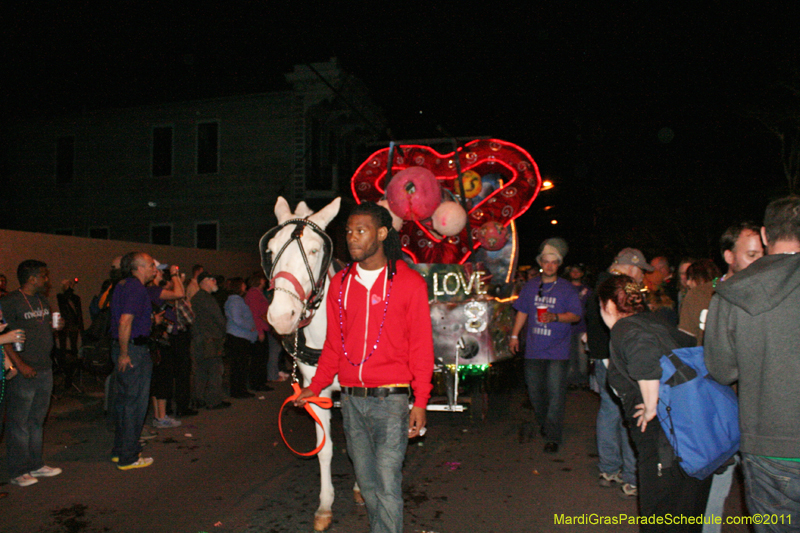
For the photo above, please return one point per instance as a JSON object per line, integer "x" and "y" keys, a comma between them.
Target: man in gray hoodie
{"x": 751, "y": 337}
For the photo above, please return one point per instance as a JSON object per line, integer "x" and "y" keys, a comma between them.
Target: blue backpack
{"x": 700, "y": 417}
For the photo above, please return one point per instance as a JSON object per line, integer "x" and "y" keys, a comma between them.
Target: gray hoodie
{"x": 752, "y": 337}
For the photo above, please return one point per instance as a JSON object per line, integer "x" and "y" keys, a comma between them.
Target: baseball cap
{"x": 633, "y": 257}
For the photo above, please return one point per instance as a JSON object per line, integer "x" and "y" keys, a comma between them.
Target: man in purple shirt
{"x": 549, "y": 305}
{"x": 131, "y": 311}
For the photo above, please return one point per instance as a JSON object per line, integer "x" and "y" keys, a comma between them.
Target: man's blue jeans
{"x": 131, "y": 402}
{"x": 27, "y": 404}
{"x": 377, "y": 437}
{"x": 613, "y": 442}
{"x": 772, "y": 487}
{"x": 547, "y": 389}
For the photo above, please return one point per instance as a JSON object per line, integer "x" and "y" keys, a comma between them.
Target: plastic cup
{"x": 56, "y": 317}
{"x": 540, "y": 311}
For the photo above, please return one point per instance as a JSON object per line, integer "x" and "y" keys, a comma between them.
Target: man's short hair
{"x": 731, "y": 235}
{"x": 29, "y": 268}
{"x": 130, "y": 262}
{"x": 782, "y": 219}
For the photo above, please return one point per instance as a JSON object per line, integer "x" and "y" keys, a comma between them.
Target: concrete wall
{"x": 90, "y": 260}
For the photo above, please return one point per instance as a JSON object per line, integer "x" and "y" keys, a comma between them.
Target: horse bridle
{"x": 312, "y": 301}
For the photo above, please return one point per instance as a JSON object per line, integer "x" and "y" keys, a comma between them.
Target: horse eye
{"x": 314, "y": 251}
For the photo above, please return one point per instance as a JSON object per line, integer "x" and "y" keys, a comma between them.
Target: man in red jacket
{"x": 380, "y": 343}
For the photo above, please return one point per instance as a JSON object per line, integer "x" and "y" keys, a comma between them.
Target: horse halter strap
{"x": 311, "y": 301}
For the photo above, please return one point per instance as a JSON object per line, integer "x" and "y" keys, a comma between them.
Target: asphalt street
{"x": 228, "y": 471}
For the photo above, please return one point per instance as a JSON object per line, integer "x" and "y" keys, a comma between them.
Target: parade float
{"x": 455, "y": 214}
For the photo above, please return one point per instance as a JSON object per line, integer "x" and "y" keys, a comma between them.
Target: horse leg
{"x": 324, "y": 516}
{"x": 357, "y": 497}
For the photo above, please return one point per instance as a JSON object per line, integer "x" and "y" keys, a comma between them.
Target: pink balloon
{"x": 414, "y": 193}
{"x": 397, "y": 222}
{"x": 449, "y": 219}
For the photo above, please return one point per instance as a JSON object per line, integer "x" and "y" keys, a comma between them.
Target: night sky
{"x": 639, "y": 111}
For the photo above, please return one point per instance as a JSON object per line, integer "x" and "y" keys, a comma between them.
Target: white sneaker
{"x": 24, "y": 480}
{"x": 46, "y": 471}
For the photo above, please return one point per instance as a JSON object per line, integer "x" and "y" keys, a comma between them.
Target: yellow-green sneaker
{"x": 140, "y": 463}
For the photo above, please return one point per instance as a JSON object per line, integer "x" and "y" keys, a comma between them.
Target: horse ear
{"x": 326, "y": 214}
{"x": 303, "y": 210}
{"x": 282, "y": 210}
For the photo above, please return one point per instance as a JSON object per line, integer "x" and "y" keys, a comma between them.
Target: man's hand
{"x": 60, "y": 323}
{"x": 513, "y": 344}
{"x": 300, "y": 401}
{"x": 643, "y": 416}
{"x": 416, "y": 421}
{"x": 124, "y": 363}
{"x": 26, "y": 370}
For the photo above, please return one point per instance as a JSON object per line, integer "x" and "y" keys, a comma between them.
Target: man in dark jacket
{"x": 208, "y": 337}
{"x": 751, "y": 338}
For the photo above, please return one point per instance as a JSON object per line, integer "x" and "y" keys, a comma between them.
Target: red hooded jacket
{"x": 405, "y": 345}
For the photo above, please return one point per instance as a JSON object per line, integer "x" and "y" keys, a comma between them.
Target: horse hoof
{"x": 358, "y": 498}
{"x": 322, "y": 521}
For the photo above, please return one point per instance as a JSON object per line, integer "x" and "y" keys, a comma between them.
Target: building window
{"x": 207, "y": 235}
{"x": 100, "y": 233}
{"x": 162, "y": 151}
{"x": 65, "y": 159}
{"x": 207, "y": 148}
{"x": 161, "y": 234}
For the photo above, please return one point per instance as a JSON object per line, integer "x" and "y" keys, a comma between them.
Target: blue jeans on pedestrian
{"x": 772, "y": 487}
{"x": 377, "y": 437}
{"x": 614, "y": 449}
{"x": 547, "y": 389}
{"x": 26, "y": 409}
{"x": 131, "y": 402}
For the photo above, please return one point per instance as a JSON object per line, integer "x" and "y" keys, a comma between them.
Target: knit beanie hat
{"x": 555, "y": 247}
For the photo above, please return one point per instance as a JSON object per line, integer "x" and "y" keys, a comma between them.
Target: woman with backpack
{"x": 638, "y": 340}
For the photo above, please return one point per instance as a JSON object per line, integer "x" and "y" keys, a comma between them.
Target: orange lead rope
{"x": 325, "y": 403}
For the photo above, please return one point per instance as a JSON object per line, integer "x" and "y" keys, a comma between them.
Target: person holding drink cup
{"x": 28, "y": 395}
{"x": 549, "y": 305}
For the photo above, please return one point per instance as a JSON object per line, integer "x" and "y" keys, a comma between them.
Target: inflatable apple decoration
{"x": 492, "y": 235}
{"x": 414, "y": 193}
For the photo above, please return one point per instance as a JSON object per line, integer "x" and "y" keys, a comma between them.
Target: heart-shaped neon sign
{"x": 520, "y": 179}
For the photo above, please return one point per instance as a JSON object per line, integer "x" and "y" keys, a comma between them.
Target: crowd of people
{"x": 744, "y": 318}
{"x": 168, "y": 339}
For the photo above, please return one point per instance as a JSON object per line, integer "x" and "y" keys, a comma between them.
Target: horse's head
{"x": 295, "y": 259}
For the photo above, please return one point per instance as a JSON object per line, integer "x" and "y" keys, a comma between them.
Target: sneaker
{"x": 606, "y": 480}
{"x": 140, "y": 463}
{"x": 165, "y": 423}
{"x": 24, "y": 480}
{"x": 148, "y": 434}
{"x": 46, "y": 471}
{"x": 629, "y": 491}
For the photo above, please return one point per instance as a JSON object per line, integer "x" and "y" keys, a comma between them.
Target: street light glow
{"x": 547, "y": 185}
{"x": 554, "y": 222}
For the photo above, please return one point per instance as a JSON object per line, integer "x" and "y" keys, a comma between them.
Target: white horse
{"x": 296, "y": 253}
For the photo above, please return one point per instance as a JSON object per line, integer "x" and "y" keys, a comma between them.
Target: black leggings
{"x": 665, "y": 491}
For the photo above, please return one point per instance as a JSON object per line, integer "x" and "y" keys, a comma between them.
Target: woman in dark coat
{"x": 638, "y": 340}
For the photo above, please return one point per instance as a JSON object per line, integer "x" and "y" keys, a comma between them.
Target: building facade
{"x": 201, "y": 174}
